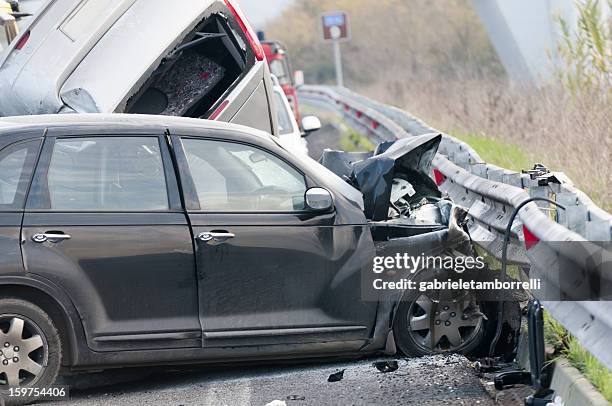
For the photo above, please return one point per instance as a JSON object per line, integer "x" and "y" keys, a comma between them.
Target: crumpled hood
{"x": 409, "y": 158}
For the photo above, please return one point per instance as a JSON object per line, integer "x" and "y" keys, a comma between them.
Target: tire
{"x": 40, "y": 366}
{"x": 413, "y": 342}
{"x": 478, "y": 314}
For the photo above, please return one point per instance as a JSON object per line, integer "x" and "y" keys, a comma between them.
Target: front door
{"x": 270, "y": 271}
{"x": 104, "y": 222}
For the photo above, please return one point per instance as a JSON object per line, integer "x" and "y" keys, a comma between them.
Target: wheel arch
{"x": 56, "y": 304}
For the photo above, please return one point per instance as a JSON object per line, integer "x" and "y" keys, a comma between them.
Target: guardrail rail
{"x": 565, "y": 247}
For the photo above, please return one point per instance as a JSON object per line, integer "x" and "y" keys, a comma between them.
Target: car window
{"x": 236, "y": 177}
{"x": 107, "y": 174}
{"x": 16, "y": 165}
{"x": 284, "y": 119}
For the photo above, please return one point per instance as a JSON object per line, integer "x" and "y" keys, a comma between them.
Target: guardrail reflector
{"x": 530, "y": 239}
{"x": 438, "y": 177}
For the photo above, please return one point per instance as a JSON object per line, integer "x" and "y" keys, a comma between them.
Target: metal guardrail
{"x": 491, "y": 194}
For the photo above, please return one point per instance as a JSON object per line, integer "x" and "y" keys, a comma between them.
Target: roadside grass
{"x": 353, "y": 141}
{"x": 497, "y": 151}
{"x": 567, "y": 346}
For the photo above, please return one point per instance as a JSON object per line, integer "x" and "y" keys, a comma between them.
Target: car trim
{"x": 183, "y": 335}
{"x": 281, "y": 332}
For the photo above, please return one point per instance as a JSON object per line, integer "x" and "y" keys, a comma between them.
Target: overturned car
{"x": 133, "y": 240}
{"x": 197, "y": 59}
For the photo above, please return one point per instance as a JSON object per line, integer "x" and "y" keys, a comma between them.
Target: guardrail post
{"x": 574, "y": 216}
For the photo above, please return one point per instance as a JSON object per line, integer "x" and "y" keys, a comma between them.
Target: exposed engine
{"x": 394, "y": 180}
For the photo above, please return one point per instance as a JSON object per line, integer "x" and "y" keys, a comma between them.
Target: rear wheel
{"x": 30, "y": 348}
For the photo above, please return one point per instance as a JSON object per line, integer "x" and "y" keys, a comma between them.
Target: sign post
{"x": 335, "y": 29}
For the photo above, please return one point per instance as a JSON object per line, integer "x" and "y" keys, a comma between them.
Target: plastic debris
{"x": 386, "y": 366}
{"x": 296, "y": 397}
{"x": 336, "y": 377}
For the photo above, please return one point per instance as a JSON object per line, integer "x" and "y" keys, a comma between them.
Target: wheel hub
{"x": 8, "y": 352}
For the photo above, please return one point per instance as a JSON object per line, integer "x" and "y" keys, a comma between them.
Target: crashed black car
{"x": 129, "y": 240}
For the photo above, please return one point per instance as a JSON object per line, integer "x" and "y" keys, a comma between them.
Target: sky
{"x": 258, "y": 11}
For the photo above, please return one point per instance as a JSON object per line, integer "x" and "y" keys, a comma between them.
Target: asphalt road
{"x": 436, "y": 380}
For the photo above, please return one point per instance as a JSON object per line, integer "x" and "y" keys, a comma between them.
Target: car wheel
{"x": 30, "y": 348}
{"x": 427, "y": 324}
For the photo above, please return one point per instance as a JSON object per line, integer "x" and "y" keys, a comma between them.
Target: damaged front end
{"x": 411, "y": 220}
{"x": 400, "y": 198}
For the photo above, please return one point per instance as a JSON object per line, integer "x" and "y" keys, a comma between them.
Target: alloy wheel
{"x": 23, "y": 351}
{"x": 444, "y": 325}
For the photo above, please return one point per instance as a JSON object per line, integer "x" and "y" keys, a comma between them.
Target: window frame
{"x": 24, "y": 184}
{"x": 39, "y": 199}
{"x": 192, "y": 203}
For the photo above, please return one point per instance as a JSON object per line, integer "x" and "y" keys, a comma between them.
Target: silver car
{"x": 291, "y": 134}
{"x": 196, "y": 59}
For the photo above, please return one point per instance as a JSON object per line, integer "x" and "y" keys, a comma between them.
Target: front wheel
{"x": 30, "y": 348}
{"x": 429, "y": 325}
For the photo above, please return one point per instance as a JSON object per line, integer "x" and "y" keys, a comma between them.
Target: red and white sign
{"x": 335, "y": 26}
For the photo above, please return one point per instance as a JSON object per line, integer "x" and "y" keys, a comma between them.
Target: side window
{"x": 107, "y": 174}
{"x": 241, "y": 178}
{"x": 16, "y": 166}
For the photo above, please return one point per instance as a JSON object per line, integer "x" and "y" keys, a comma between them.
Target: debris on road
{"x": 438, "y": 380}
{"x": 277, "y": 403}
{"x": 386, "y": 366}
{"x": 296, "y": 397}
{"x": 336, "y": 377}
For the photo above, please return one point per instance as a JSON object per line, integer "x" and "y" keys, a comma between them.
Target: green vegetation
{"x": 353, "y": 141}
{"x": 498, "y": 152}
{"x": 587, "y": 51}
{"x": 565, "y": 345}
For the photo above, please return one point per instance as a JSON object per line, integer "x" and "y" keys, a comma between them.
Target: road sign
{"x": 335, "y": 26}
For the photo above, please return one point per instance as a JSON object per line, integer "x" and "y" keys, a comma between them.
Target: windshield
{"x": 285, "y": 126}
{"x": 279, "y": 68}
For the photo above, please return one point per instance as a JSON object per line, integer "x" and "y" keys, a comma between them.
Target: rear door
{"x": 104, "y": 221}
{"x": 270, "y": 271}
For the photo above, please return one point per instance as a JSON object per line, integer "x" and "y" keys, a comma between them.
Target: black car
{"x": 131, "y": 240}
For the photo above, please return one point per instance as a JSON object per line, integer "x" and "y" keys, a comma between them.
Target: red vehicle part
{"x": 280, "y": 66}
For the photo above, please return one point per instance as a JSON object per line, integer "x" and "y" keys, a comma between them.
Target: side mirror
{"x": 318, "y": 199}
{"x": 310, "y": 124}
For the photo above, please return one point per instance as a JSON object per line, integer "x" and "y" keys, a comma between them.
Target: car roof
{"x": 9, "y": 125}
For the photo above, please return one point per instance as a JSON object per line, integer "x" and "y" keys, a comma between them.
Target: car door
{"x": 270, "y": 271}
{"x": 17, "y": 161}
{"x": 104, "y": 221}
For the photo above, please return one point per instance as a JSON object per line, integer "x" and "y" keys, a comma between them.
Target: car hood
{"x": 374, "y": 174}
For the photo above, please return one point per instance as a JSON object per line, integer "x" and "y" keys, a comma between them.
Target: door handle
{"x": 215, "y": 237}
{"x": 51, "y": 237}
